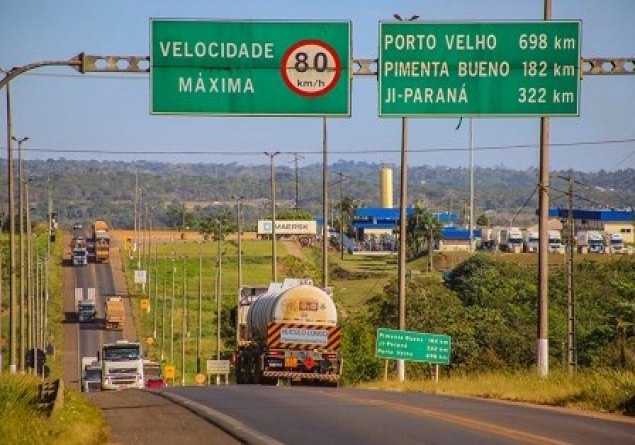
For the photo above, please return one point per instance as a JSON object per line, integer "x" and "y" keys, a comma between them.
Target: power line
{"x": 602, "y": 143}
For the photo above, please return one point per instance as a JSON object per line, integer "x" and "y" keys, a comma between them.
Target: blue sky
{"x": 100, "y": 116}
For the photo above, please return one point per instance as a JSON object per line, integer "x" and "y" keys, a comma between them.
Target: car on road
{"x": 91, "y": 378}
{"x": 152, "y": 375}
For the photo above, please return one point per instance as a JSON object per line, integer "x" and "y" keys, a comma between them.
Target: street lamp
{"x": 219, "y": 292}
{"x": 239, "y": 200}
{"x": 274, "y": 272}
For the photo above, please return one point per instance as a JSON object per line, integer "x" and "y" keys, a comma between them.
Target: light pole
{"x": 219, "y": 292}
{"x": 12, "y": 312}
{"x": 21, "y": 248}
{"x": 239, "y": 200}
{"x": 184, "y": 321}
{"x": 200, "y": 307}
{"x": 325, "y": 207}
{"x": 172, "y": 310}
{"x": 29, "y": 267}
{"x": 156, "y": 289}
{"x": 274, "y": 265}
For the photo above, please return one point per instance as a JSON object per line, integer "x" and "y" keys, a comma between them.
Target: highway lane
{"x": 344, "y": 416}
{"x": 85, "y": 339}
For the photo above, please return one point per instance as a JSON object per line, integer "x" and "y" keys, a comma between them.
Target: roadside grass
{"x": 77, "y": 423}
{"x": 598, "y": 390}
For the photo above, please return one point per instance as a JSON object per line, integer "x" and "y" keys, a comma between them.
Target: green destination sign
{"x": 250, "y": 68}
{"x": 479, "y": 69}
{"x": 415, "y": 346}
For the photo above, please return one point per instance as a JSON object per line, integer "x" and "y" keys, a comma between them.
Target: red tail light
{"x": 329, "y": 356}
{"x": 276, "y": 353}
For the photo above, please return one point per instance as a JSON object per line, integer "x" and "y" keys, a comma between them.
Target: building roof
{"x": 605, "y": 215}
{"x": 456, "y": 233}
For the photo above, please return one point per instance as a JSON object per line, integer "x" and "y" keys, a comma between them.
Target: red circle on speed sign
{"x": 311, "y": 68}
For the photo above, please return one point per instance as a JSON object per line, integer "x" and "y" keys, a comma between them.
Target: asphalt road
{"x": 345, "y": 416}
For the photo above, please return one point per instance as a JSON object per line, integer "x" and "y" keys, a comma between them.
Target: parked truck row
{"x": 517, "y": 240}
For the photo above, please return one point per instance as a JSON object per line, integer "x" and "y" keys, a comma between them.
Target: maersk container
{"x": 304, "y": 304}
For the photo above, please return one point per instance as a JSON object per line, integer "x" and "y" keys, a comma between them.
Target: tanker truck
{"x": 288, "y": 331}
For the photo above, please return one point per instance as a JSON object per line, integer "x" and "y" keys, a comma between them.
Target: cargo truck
{"x": 532, "y": 240}
{"x": 121, "y": 365}
{"x": 114, "y": 313}
{"x": 86, "y": 305}
{"x": 288, "y": 332}
{"x": 101, "y": 241}
{"x": 615, "y": 243}
{"x": 91, "y": 374}
{"x": 590, "y": 241}
{"x": 511, "y": 240}
{"x": 555, "y": 241}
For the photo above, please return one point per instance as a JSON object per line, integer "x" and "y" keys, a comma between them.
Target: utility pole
{"x": 471, "y": 136}
{"x": 542, "y": 359}
{"x": 29, "y": 266}
{"x": 21, "y": 250}
{"x": 403, "y": 197}
{"x": 274, "y": 259}
{"x": 12, "y": 311}
{"x": 239, "y": 229}
{"x": 219, "y": 293}
{"x": 184, "y": 321}
{"x": 200, "y": 307}
{"x": 156, "y": 289}
{"x": 172, "y": 310}
{"x": 135, "y": 235}
{"x": 162, "y": 323}
{"x": 296, "y": 158}
{"x": 340, "y": 181}
{"x": 325, "y": 207}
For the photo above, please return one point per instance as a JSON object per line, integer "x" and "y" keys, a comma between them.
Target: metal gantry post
{"x": 403, "y": 197}
{"x": 184, "y": 321}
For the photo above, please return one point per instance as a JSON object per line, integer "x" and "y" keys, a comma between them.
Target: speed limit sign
{"x": 311, "y": 68}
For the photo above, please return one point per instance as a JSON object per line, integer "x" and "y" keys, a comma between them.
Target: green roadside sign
{"x": 414, "y": 346}
{"x": 479, "y": 69}
{"x": 250, "y": 68}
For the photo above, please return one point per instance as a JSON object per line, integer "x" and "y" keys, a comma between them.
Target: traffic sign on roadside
{"x": 250, "y": 68}
{"x": 414, "y": 346}
{"x": 479, "y": 69}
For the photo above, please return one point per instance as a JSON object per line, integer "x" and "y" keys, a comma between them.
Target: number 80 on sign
{"x": 311, "y": 68}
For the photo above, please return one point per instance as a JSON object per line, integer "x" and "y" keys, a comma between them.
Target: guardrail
{"x": 51, "y": 396}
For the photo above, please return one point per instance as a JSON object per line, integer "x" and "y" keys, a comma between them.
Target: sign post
{"x": 479, "y": 69}
{"x": 218, "y": 367}
{"x": 250, "y": 68}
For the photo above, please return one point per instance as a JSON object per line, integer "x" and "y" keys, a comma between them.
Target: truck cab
{"x": 80, "y": 256}
{"x": 121, "y": 365}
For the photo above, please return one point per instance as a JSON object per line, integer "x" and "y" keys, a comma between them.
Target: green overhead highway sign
{"x": 479, "y": 69}
{"x": 250, "y": 68}
{"x": 414, "y": 346}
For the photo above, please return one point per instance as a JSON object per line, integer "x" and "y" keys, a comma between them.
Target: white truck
{"x": 121, "y": 365}
{"x": 555, "y": 241}
{"x": 91, "y": 374}
{"x": 511, "y": 240}
{"x": 532, "y": 239}
{"x": 288, "y": 331}
{"x": 86, "y": 305}
{"x": 590, "y": 241}
{"x": 615, "y": 243}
